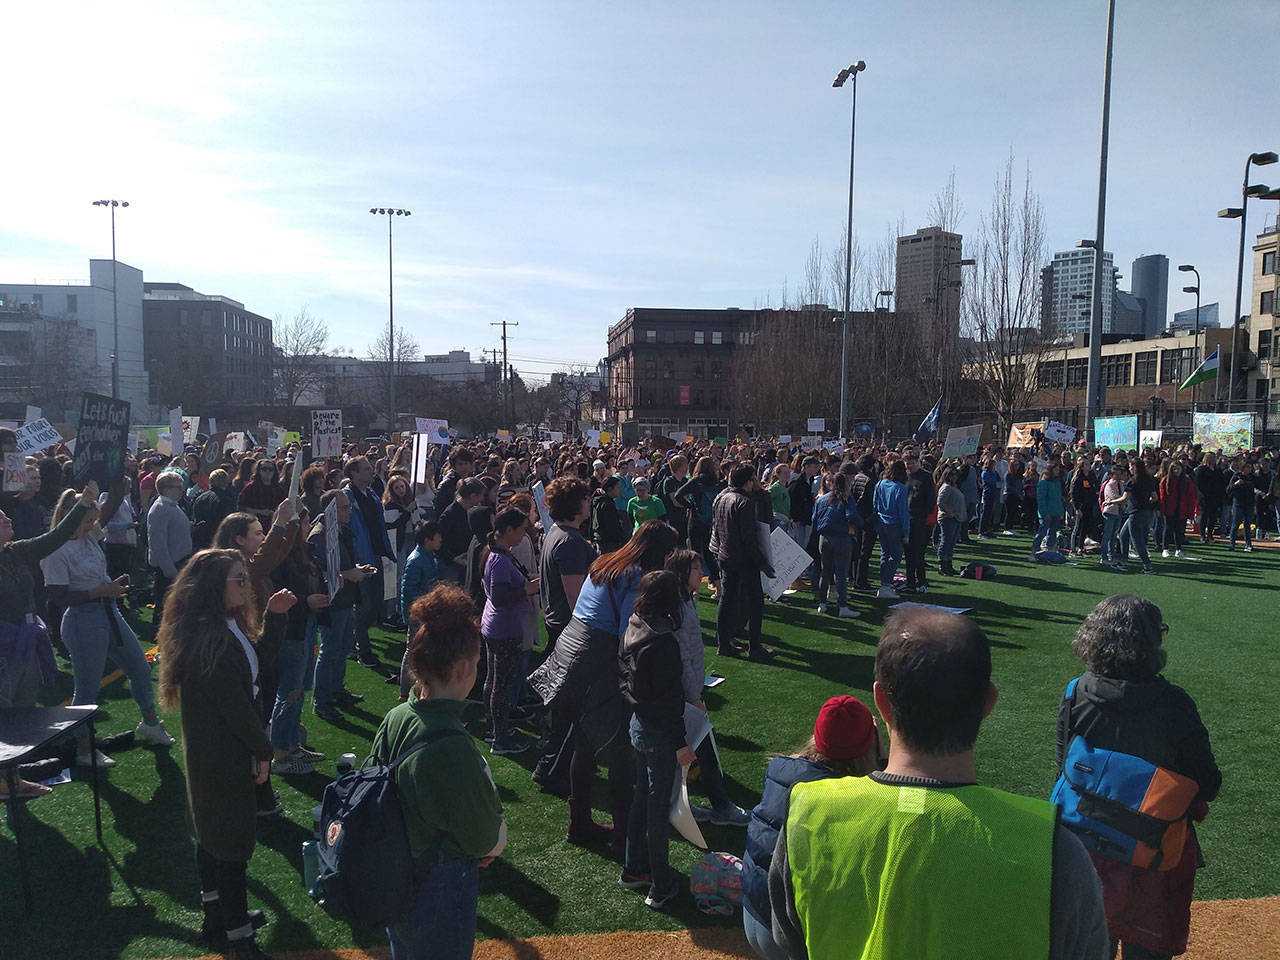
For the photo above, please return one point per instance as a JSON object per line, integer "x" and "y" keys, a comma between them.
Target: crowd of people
{"x": 606, "y": 552}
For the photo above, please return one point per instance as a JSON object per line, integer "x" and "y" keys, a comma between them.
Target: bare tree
{"x": 300, "y": 342}
{"x": 946, "y": 210}
{"x": 1003, "y": 310}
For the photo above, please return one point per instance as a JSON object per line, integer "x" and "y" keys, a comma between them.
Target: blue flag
{"x": 929, "y": 425}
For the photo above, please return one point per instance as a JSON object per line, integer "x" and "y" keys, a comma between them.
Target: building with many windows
{"x": 1188, "y": 319}
{"x": 1149, "y": 279}
{"x": 927, "y": 283}
{"x": 1067, "y": 293}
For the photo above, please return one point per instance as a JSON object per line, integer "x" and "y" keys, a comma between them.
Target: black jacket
{"x": 1155, "y": 720}
{"x": 735, "y": 538}
{"x": 801, "y": 499}
{"x": 863, "y": 493}
{"x": 922, "y": 496}
{"x": 208, "y": 511}
{"x": 606, "y": 525}
{"x": 455, "y": 532}
{"x": 1210, "y": 484}
{"x": 650, "y": 666}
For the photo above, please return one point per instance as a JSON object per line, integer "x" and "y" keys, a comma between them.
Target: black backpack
{"x": 366, "y": 871}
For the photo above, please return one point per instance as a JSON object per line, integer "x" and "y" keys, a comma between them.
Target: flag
{"x": 929, "y": 425}
{"x": 1206, "y": 371}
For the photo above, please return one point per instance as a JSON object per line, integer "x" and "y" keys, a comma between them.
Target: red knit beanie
{"x": 844, "y": 729}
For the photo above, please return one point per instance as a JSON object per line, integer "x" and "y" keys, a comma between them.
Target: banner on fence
{"x": 1227, "y": 433}
{"x": 1116, "y": 432}
{"x": 962, "y": 441}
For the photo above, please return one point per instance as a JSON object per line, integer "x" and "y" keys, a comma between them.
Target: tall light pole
{"x": 115, "y": 309}
{"x": 1195, "y": 388}
{"x": 1234, "y": 213}
{"x": 1093, "y": 383}
{"x": 390, "y": 213}
{"x": 849, "y": 73}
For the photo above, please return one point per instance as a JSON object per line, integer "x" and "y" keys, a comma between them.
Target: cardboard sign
{"x": 556, "y": 436}
{"x": 332, "y": 555}
{"x": 102, "y": 438}
{"x": 817, "y": 425}
{"x": 176, "y": 431}
{"x": 1059, "y": 432}
{"x": 789, "y": 561}
{"x": 1116, "y": 432}
{"x": 213, "y": 425}
{"x": 37, "y": 435}
{"x": 274, "y": 441}
{"x": 593, "y": 438}
{"x": 15, "y": 472}
{"x": 605, "y": 436}
{"x": 1020, "y": 433}
{"x": 1150, "y": 438}
{"x": 326, "y": 433}
{"x": 962, "y": 441}
{"x": 237, "y": 441}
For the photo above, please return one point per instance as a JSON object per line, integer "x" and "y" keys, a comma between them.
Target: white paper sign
{"x": 15, "y": 472}
{"x": 539, "y": 491}
{"x": 907, "y": 605}
{"x": 37, "y": 435}
{"x": 785, "y": 440}
{"x": 1150, "y": 438}
{"x": 697, "y": 726}
{"x": 33, "y": 413}
{"x": 175, "y": 431}
{"x": 237, "y": 441}
{"x": 213, "y": 426}
{"x": 421, "y": 447}
{"x": 1056, "y": 432}
{"x": 593, "y": 438}
{"x": 326, "y": 433}
{"x": 437, "y": 431}
{"x": 789, "y": 561}
{"x": 962, "y": 441}
{"x": 274, "y": 441}
{"x": 333, "y": 556}
{"x": 556, "y": 436}
{"x": 817, "y": 425}
{"x": 190, "y": 429}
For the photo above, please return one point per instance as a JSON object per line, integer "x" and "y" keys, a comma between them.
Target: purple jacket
{"x": 505, "y": 602}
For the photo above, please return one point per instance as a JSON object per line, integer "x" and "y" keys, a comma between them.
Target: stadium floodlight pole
{"x": 1232, "y": 213}
{"x": 849, "y": 73}
{"x": 1093, "y": 383}
{"x": 115, "y": 308}
{"x": 1195, "y": 388}
{"x": 390, "y": 213}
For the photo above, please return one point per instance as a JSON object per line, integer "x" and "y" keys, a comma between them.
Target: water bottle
{"x": 310, "y": 866}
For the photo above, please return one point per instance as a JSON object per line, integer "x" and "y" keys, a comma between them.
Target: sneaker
{"x": 847, "y": 614}
{"x": 345, "y": 698}
{"x": 509, "y": 746}
{"x": 886, "y": 593}
{"x": 700, "y": 814}
{"x": 634, "y": 881}
{"x": 153, "y": 733}
{"x": 274, "y": 808}
{"x": 368, "y": 660}
{"x": 1248, "y": 549}
{"x": 730, "y": 816}
{"x": 327, "y": 711}
{"x": 824, "y": 608}
{"x": 85, "y": 759}
{"x": 1180, "y": 555}
{"x": 1147, "y": 570}
{"x": 292, "y": 765}
{"x": 657, "y": 899}
{"x": 761, "y": 655}
{"x": 1165, "y": 554}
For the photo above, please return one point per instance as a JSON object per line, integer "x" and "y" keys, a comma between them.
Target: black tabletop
{"x": 26, "y": 731}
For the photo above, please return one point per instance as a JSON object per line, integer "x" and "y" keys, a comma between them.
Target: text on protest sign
{"x": 102, "y": 437}
{"x": 36, "y": 436}
{"x": 326, "y": 433}
{"x": 437, "y": 431}
{"x": 15, "y": 472}
{"x": 962, "y": 441}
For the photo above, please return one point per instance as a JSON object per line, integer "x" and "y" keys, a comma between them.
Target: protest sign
{"x": 962, "y": 441}
{"x": 817, "y": 425}
{"x": 556, "y": 436}
{"x": 37, "y": 435}
{"x": 1116, "y": 432}
{"x": 539, "y": 491}
{"x": 237, "y": 441}
{"x": 190, "y": 429}
{"x": 436, "y": 430}
{"x": 605, "y": 436}
{"x": 810, "y": 443}
{"x": 274, "y": 441}
{"x": 593, "y": 438}
{"x": 1227, "y": 433}
{"x": 332, "y": 555}
{"x": 176, "y": 432}
{"x": 213, "y": 425}
{"x": 1059, "y": 432}
{"x": 789, "y": 561}
{"x": 15, "y": 472}
{"x": 421, "y": 448}
{"x": 1150, "y": 438}
{"x": 1020, "y": 433}
{"x": 292, "y": 436}
{"x": 326, "y": 433}
{"x": 784, "y": 440}
{"x": 33, "y": 413}
{"x": 101, "y": 439}
{"x": 504, "y": 434}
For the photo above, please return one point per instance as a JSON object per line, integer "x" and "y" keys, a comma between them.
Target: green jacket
{"x": 445, "y": 787}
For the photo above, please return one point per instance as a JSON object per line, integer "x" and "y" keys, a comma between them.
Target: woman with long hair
{"x": 1177, "y": 506}
{"x": 696, "y": 497}
{"x": 212, "y": 640}
{"x": 1140, "y": 498}
{"x": 261, "y": 496}
{"x": 93, "y": 628}
{"x": 578, "y": 682}
{"x": 244, "y": 474}
{"x": 400, "y": 511}
{"x": 893, "y": 523}
{"x": 951, "y": 514}
{"x": 833, "y": 514}
{"x": 1084, "y": 501}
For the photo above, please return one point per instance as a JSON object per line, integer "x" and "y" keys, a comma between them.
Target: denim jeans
{"x": 760, "y": 936}
{"x": 1110, "y": 526}
{"x": 1134, "y": 533}
{"x": 1047, "y": 534}
{"x": 836, "y": 553}
{"x": 987, "y": 511}
{"x": 890, "y": 552}
{"x": 335, "y": 644}
{"x": 367, "y": 611}
{"x": 90, "y": 640}
{"x": 649, "y": 826}
{"x": 441, "y": 924}
{"x": 293, "y": 679}
{"x": 950, "y": 527}
{"x": 1240, "y": 516}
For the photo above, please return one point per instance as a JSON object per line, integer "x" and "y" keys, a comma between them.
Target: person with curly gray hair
{"x": 1122, "y": 703}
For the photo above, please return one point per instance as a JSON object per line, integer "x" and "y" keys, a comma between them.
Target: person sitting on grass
{"x": 845, "y": 743}
{"x": 452, "y": 812}
{"x": 421, "y": 574}
{"x": 651, "y": 686}
{"x": 643, "y": 506}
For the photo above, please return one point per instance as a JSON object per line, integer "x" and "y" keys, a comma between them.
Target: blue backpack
{"x": 365, "y": 870}
{"x": 1123, "y": 807}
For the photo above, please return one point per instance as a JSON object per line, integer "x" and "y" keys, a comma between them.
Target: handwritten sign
{"x": 37, "y": 435}
{"x": 332, "y": 554}
{"x": 1056, "y": 432}
{"x": 962, "y": 441}
{"x": 539, "y": 491}
{"x": 102, "y": 438}
{"x": 15, "y": 472}
{"x": 789, "y": 560}
{"x": 437, "y": 431}
{"x": 326, "y": 433}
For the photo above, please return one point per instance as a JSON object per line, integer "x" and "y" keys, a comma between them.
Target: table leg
{"x": 97, "y": 801}
{"x": 14, "y": 807}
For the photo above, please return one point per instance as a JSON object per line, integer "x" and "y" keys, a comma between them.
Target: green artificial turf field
{"x": 138, "y": 897}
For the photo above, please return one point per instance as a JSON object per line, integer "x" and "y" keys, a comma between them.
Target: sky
{"x": 564, "y": 161}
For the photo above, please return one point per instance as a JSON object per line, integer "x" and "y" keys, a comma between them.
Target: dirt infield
{"x": 1220, "y": 930}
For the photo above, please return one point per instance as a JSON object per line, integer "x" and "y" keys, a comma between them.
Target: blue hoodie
{"x": 830, "y": 520}
{"x": 891, "y": 505}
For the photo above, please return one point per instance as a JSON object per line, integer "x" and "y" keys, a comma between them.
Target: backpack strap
{"x": 425, "y": 742}
{"x": 1071, "y": 689}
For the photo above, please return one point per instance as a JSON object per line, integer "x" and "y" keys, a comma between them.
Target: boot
{"x": 583, "y": 830}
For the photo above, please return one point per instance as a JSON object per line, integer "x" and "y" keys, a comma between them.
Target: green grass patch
{"x": 138, "y": 896}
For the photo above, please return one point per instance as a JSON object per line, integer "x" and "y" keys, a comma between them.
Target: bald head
{"x": 935, "y": 669}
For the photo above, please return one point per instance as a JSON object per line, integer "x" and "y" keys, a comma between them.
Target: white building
{"x": 88, "y": 304}
{"x": 1067, "y": 285}
{"x": 343, "y": 380}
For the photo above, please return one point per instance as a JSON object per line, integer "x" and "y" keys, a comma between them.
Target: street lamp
{"x": 115, "y": 311}
{"x": 1188, "y": 268}
{"x": 849, "y": 73}
{"x": 887, "y": 294}
{"x": 390, "y": 213}
{"x": 1262, "y": 159}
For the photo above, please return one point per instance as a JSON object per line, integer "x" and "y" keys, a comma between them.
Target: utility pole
{"x": 506, "y": 368}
